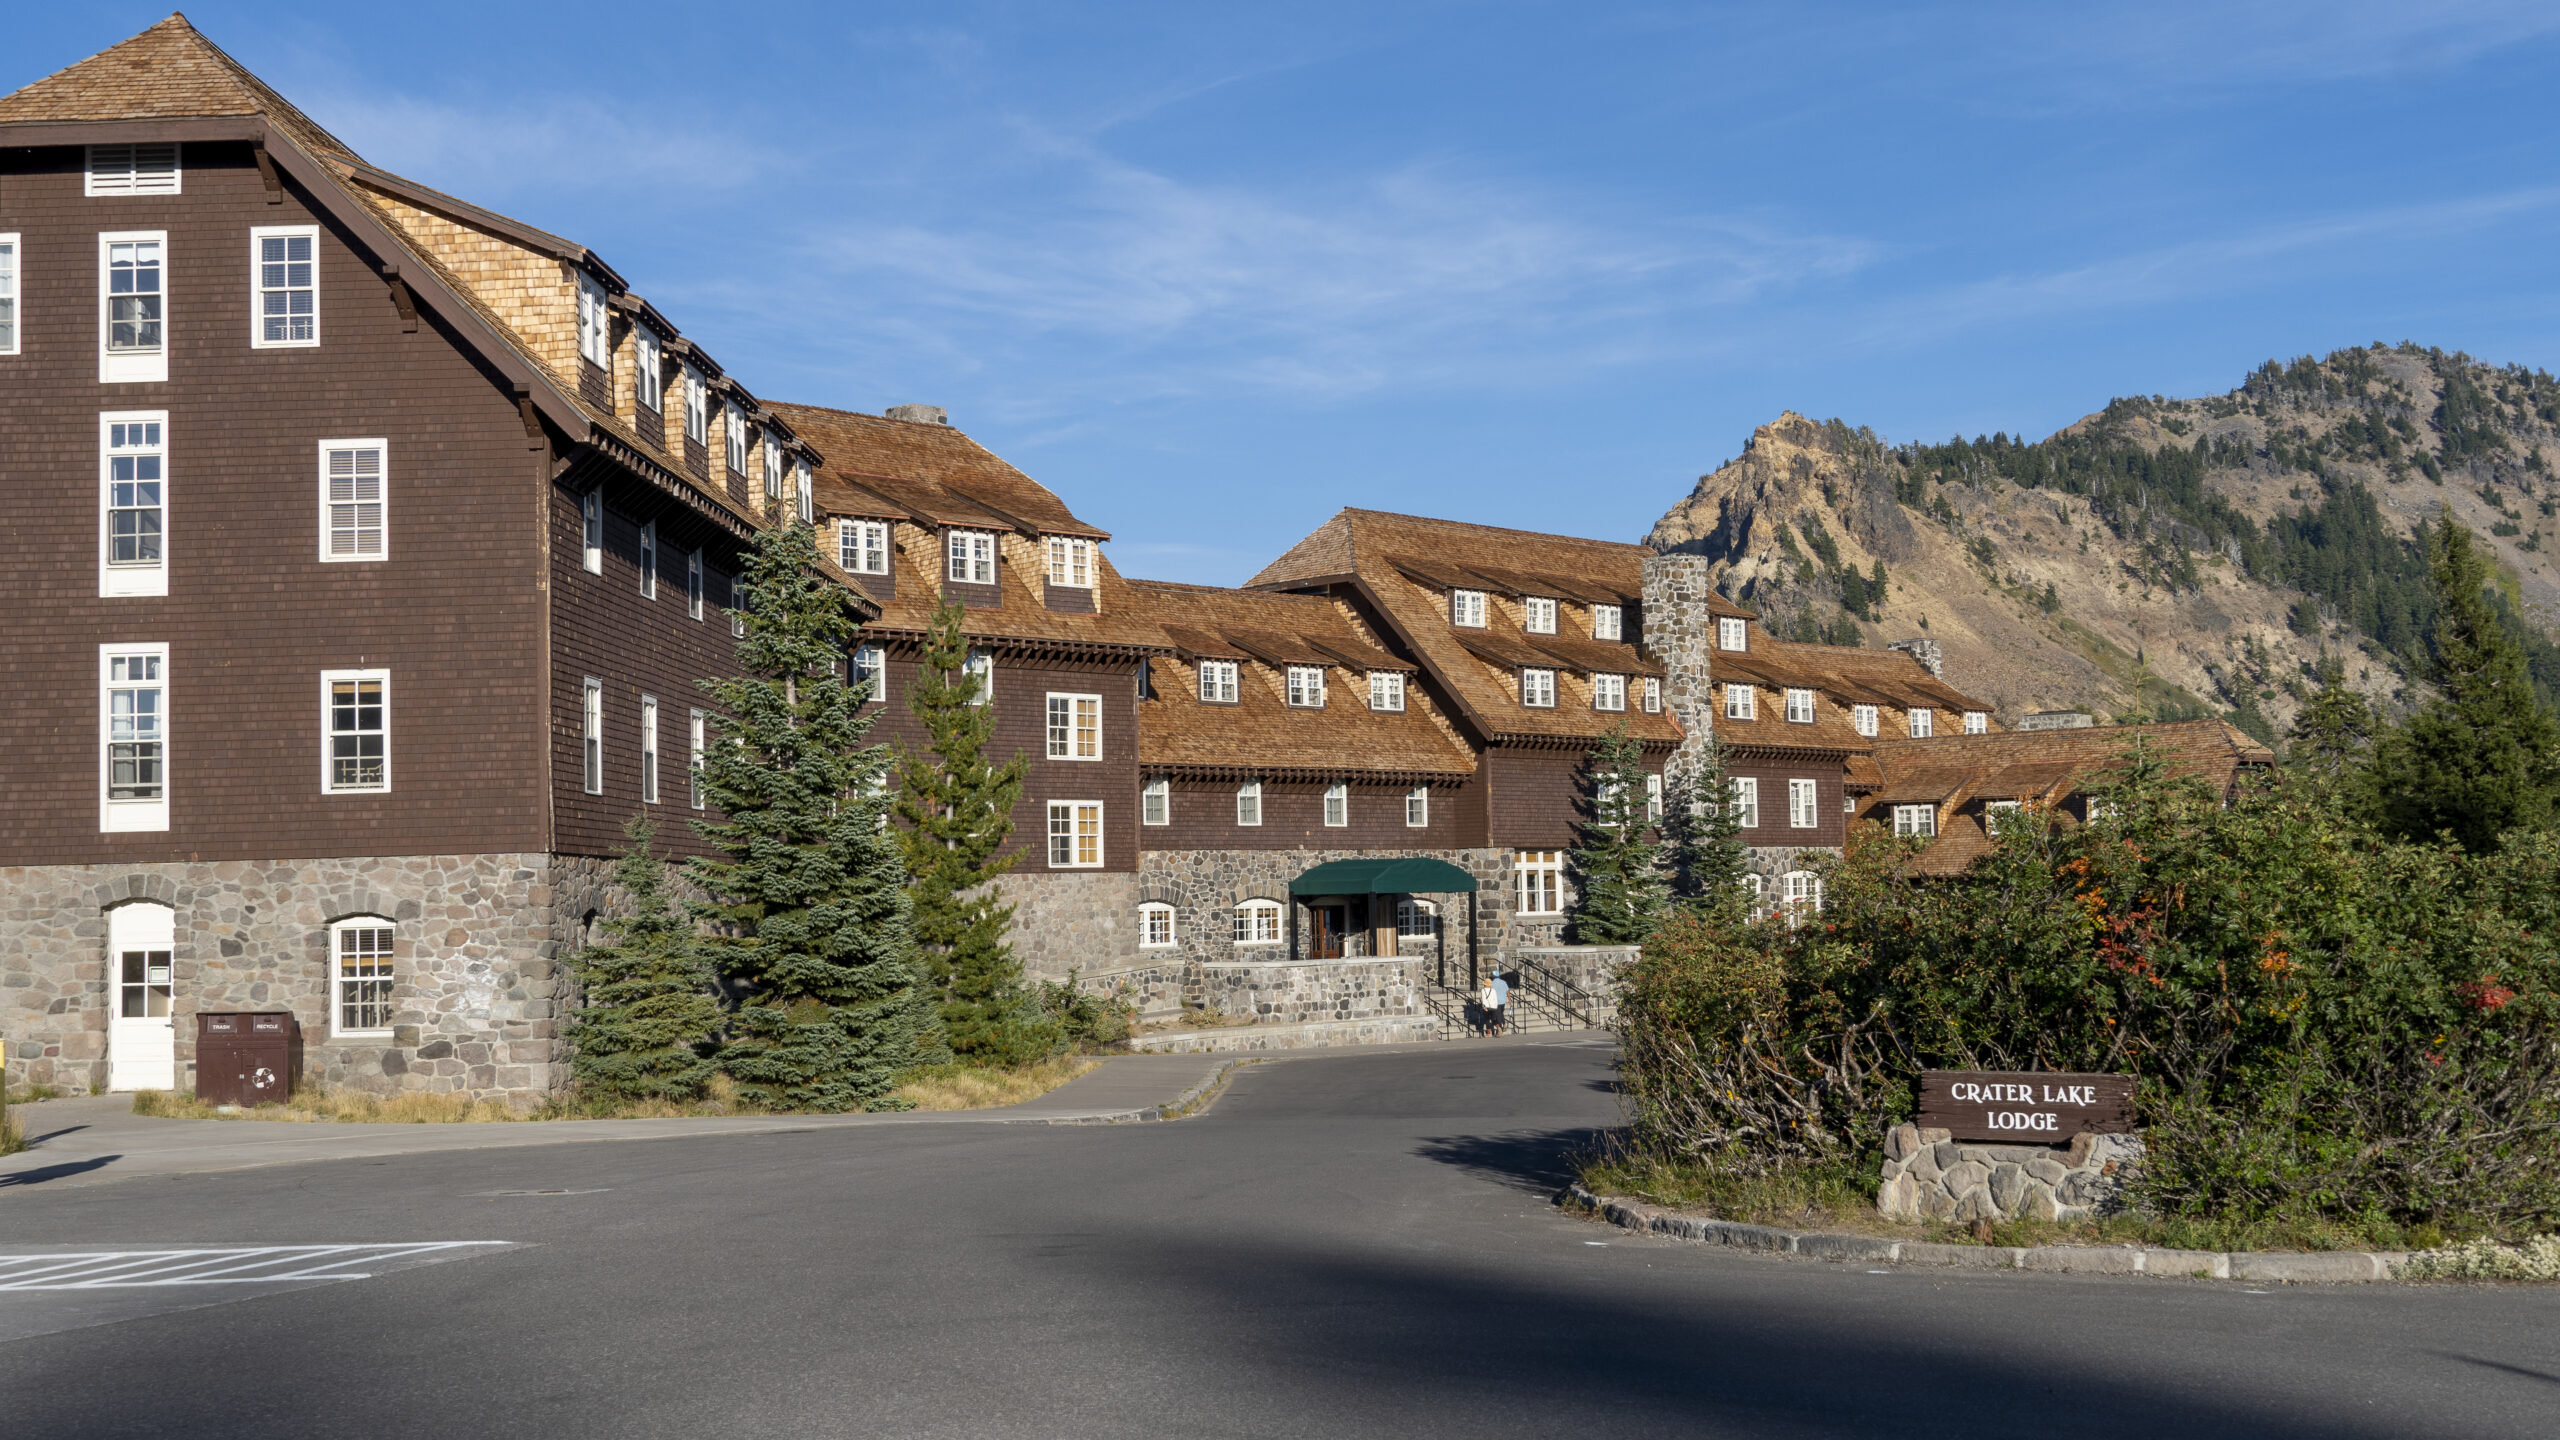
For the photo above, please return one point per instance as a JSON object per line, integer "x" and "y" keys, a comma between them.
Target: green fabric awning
{"x": 1414, "y": 876}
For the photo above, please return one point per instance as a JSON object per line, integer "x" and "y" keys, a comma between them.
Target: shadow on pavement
{"x": 1537, "y": 1162}
{"x": 42, "y": 1173}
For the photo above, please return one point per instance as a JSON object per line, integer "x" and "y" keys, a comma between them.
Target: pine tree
{"x": 958, "y": 810}
{"x": 811, "y": 917}
{"x": 2334, "y": 729}
{"x": 648, "y": 1022}
{"x": 1616, "y": 866}
{"x": 2483, "y": 757}
{"x": 1702, "y": 835}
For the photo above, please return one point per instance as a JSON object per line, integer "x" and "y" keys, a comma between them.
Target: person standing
{"x": 1497, "y": 995}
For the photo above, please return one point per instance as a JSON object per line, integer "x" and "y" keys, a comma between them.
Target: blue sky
{"x": 1213, "y": 272}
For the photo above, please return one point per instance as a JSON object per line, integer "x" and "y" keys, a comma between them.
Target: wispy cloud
{"x": 562, "y": 143}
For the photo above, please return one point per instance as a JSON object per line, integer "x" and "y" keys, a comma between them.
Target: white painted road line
{"x": 232, "y": 1265}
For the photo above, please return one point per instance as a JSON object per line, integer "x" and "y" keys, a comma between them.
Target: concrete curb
{"x": 2335, "y": 1267}
{"x": 1181, "y": 1107}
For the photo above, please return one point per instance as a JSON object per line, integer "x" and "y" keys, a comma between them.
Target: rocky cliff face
{"x": 2162, "y": 558}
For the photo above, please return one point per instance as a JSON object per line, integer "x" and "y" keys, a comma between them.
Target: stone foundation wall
{"x": 1592, "y": 967}
{"x": 1928, "y": 1176}
{"x": 1080, "y": 921}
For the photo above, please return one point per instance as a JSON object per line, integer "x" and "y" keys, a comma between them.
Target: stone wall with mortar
{"x": 1082, "y": 921}
{"x": 1928, "y": 1176}
{"x": 1679, "y": 633}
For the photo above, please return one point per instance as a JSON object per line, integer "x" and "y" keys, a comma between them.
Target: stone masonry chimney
{"x": 920, "y": 414}
{"x": 1931, "y": 658}
{"x": 1679, "y": 632}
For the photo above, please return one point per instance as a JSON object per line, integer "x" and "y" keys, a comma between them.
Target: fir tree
{"x": 649, "y": 1022}
{"x": 2483, "y": 757}
{"x": 1615, "y": 866}
{"x": 1702, "y": 835}
{"x": 2334, "y": 729}
{"x": 811, "y": 917}
{"x": 958, "y": 810}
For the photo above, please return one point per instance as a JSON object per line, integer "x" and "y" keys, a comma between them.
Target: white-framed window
{"x": 284, "y": 281}
{"x": 1608, "y": 622}
{"x": 1924, "y": 723}
{"x": 1996, "y": 813}
{"x": 769, "y": 445}
{"x": 1075, "y": 727}
{"x": 8, "y": 294}
{"x": 742, "y": 597}
{"x": 360, "y": 977}
{"x": 1608, "y": 692}
{"x": 133, "y": 737}
{"x": 648, "y": 370}
{"x": 1155, "y": 925}
{"x": 697, "y": 754}
{"x": 1538, "y": 615}
{"x": 1386, "y": 690}
{"x": 1741, "y": 702}
{"x": 133, "y": 503}
{"x": 1249, "y": 803}
{"x": 355, "y": 726}
{"x": 1218, "y": 681}
{"x": 973, "y": 557}
{"x": 1746, "y": 802}
{"x": 592, "y": 736}
{"x": 1848, "y": 803}
{"x": 649, "y": 561}
{"x": 1799, "y": 706}
{"x": 1155, "y": 802}
{"x": 1756, "y": 887}
{"x": 1915, "y": 819}
{"x": 1864, "y": 718}
{"x": 1653, "y": 798}
{"x": 1075, "y": 834}
{"x": 1802, "y": 797}
{"x": 2093, "y": 809}
{"x": 1652, "y": 695}
{"x": 1337, "y": 805}
{"x": 871, "y": 668}
{"x": 591, "y": 529}
{"x": 1541, "y": 881}
{"x": 1417, "y": 925}
{"x": 1306, "y": 686}
{"x": 862, "y": 547}
{"x": 1070, "y": 562}
{"x": 697, "y": 407}
{"x": 733, "y": 437}
{"x": 595, "y": 324}
{"x": 1466, "y": 607}
{"x": 355, "y": 500}
{"x": 693, "y": 586}
{"x": 803, "y": 486}
{"x": 1417, "y": 807}
{"x": 133, "y": 307}
{"x": 132, "y": 170}
{"x": 1258, "y": 922}
{"x": 1977, "y": 722}
{"x": 1799, "y": 894}
{"x": 1538, "y": 689}
{"x": 982, "y": 664}
{"x": 648, "y": 749}
{"x": 1732, "y": 634}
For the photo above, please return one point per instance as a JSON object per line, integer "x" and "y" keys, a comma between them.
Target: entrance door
{"x": 1333, "y": 924}
{"x": 142, "y": 1039}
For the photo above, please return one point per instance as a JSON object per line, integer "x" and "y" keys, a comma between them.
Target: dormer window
{"x": 1605, "y": 622}
{"x": 803, "y": 487}
{"x": 1977, "y": 722}
{"x": 1538, "y": 689}
{"x": 973, "y": 557}
{"x": 1218, "y": 681}
{"x": 772, "y": 466}
{"x": 1538, "y": 615}
{"x": 648, "y": 370}
{"x": 697, "y": 407}
{"x": 1732, "y": 634}
{"x": 1652, "y": 695}
{"x": 1466, "y": 608}
{"x": 1799, "y": 707}
{"x": 862, "y": 547}
{"x": 1608, "y": 692}
{"x": 1741, "y": 702}
{"x": 1386, "y": 690}
{"x": 1864, "y": 718}
{"x": 733, "y": 427}
{"x": 1919, "y": 820}
{"x": 595, "y": 324}
{"x": 1071, "y": 562}
{"x": 1306, "y": 686}
{"x": 132, "y": 170}
{"x": 1924, "y": 723}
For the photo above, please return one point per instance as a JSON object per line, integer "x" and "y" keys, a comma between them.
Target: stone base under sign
{"x": 1928, "y": 1176}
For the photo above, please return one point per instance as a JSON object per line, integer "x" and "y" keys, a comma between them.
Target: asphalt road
{"x": 1352, "y": 1245}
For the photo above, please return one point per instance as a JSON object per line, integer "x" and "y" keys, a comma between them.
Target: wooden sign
{"x": 2026, "y": 1106}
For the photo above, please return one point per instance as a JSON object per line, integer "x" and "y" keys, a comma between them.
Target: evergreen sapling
{"x": 1616, "y": 865}
{"x": 649, "y": 1021}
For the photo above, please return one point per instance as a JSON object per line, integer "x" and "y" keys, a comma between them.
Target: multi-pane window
{"x": 284, "y": 266}
{"x": 982, "y": 665}
{"x": 697, "y": 755}
{"x": 595, "y": 324}
{"x": 1541, "y": 875}
{"x": 1741, "y": 702}
{"x": 1746, "y": 802}
{"x": 132, "y": 170}
{"x": 649, "y": 561}
{"x": 1258, "y": 922}
{"x": 973, "y": 557}
{"x": 1608, "y": 692}
{"x": 697, "y": 407}
{"x": 1306, "y": 686}
{"x": 1538, "y": 689}
{"x": 742, "y": 598}
{"x": 1652, "y": 695}
{"x": 1538, "y": 615}
{"x": 134, "y": 522}
{"x": 1924, "y": 723}
{"x": 591, "y": 736}
{"x": 803, "y": 489}
{"x": 862, "y": 547}
{"x": 648, "y": 370}
{"x": 693, "y": 584}
{"x": 1075, "y": 834}
{"x": 1249, "y": 803}
{"x": 1337, "y": 805}
{"x": 1731, "y": 634}
{"x": 1417, "y": 807}
{"x": 134, "y": 724}
{"x": 357, "y": 716}
{"x": 8, "y": 294}
{"x": 134, "y": 291}
{"x": 649, "y": 749}
{"x": 1386, "y": 690}
{"x": 871, "y": 670}
{"x": 1976, "y": 722}
{"x": 1996, "y": 813}
{"x": 1071, "y": 562}
{"x": 1653, "y": 799}
{"x": 1606, "y": 622}
{"x": 733, "y": 435}
{"x": 1799, "y": 706}
{"x": 355, "y": 517}
{"x": 591, "y": 529}
{"x": 1218, "y": 681}
{"x": 772, "y": 447}
{"x": 1466, "y": 607}
{"x": 1417, "y": 921}
{"x": 1155, "y": 802}
{"x": 1799, "y": 894}
{"x": 1155, "y": 925}
{"x": 1915, "y": 819}
{"x": 360, "y": 957}
{"x": 1075, "y": 727}
{"x": 1801, "y": 800}
{"x": 1864, "y": 718}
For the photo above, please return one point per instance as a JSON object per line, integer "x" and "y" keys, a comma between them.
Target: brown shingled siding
{"x": 1204, "y": 818}
{"x": 1773, "y": 775}
{"x": 1532, "y": 797}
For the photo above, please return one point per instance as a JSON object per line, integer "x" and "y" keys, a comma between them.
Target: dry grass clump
{"x": 333, "y": 1103}
{"x": 13, "y": 1136}
{"x": 969, "y": 1087}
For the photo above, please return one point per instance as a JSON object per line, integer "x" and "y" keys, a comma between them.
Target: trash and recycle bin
{"x": 246, "y": 1058}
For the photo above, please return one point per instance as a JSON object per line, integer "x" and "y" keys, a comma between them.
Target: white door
{"x": 142, "y": 1039}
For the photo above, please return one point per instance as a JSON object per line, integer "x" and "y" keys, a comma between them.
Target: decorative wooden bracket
{"x": 405, "y": 302}
{"x": 532, "y": 417}
{"x": 267, "y": 172}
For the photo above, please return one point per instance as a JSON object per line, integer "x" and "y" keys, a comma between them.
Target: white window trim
{"x": 89, "y": 171}
{"x": 1920, "y": 820}
{"x": 1465, "y": 603}
{"x": 855, "y": 552}
{"x": 116, "y": 817}
{"x": 1804, "y": 800}
{"x": 871, "y": 669}
{"x": 1065, "y": 557}
{"x": 1538, "y": 615}
{"x": 1417, "y": 808}
{"x": 648, "y": 749}
{"x": 1863, "y": 718}
{"x": 1653, "y": 797}
{"x": 1314, "y": 676}
{"x": 1386, "y": 691}
{"x": 697, "y": 408}
{"x": 695, "y": 586}
{"x": 258, "y": 289}
{"x": 591, "y": 529}
{"x": 1977, "y": 722}
{"x": 1796, "y": 694}
{"x": 1616, "y": 629}
{"x": 1741, "y": 702}
{"x": 1551, "y": 864}
{"x": 1075, "y": 730}
{"x": 133, "y": 367}
{"x": 649, "y": 561}
{"x": 1337, "y": 803}
{"x": 1101, "y": 833}
{"x": 327, "y": 734}
{"x": 1746, "y": 802}
{"x": 1252, "y": 791}
{"x": 961, "y": 556}
{"x": 1279, "y": 930}
{"x": 733, "y": 439}
{"x": 648, "y": 371}
{"x": 595, "y": 324}
{"x": 1230, "y": 692}
{"x": 13, "y": 271}
{"x": 1922, "y": 723}
{"x": 804, "y": 490}
{"x": 591, "y": 736}
{"x": 1537, "y": 689}
{"x": 115, "y": 581}
{"x": 338, "y": 977}
{"x": 697, "y": 755}
{"x": 1155, "y": 802}
{"x": 1799, "y": 891}
{"x": 384, "y": 448}
{"x": 1729, "y": 628}
{"x": 1172, "y": 933}
{"x": 1609, "y": 692}
{"x": 1652, "y": 695}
